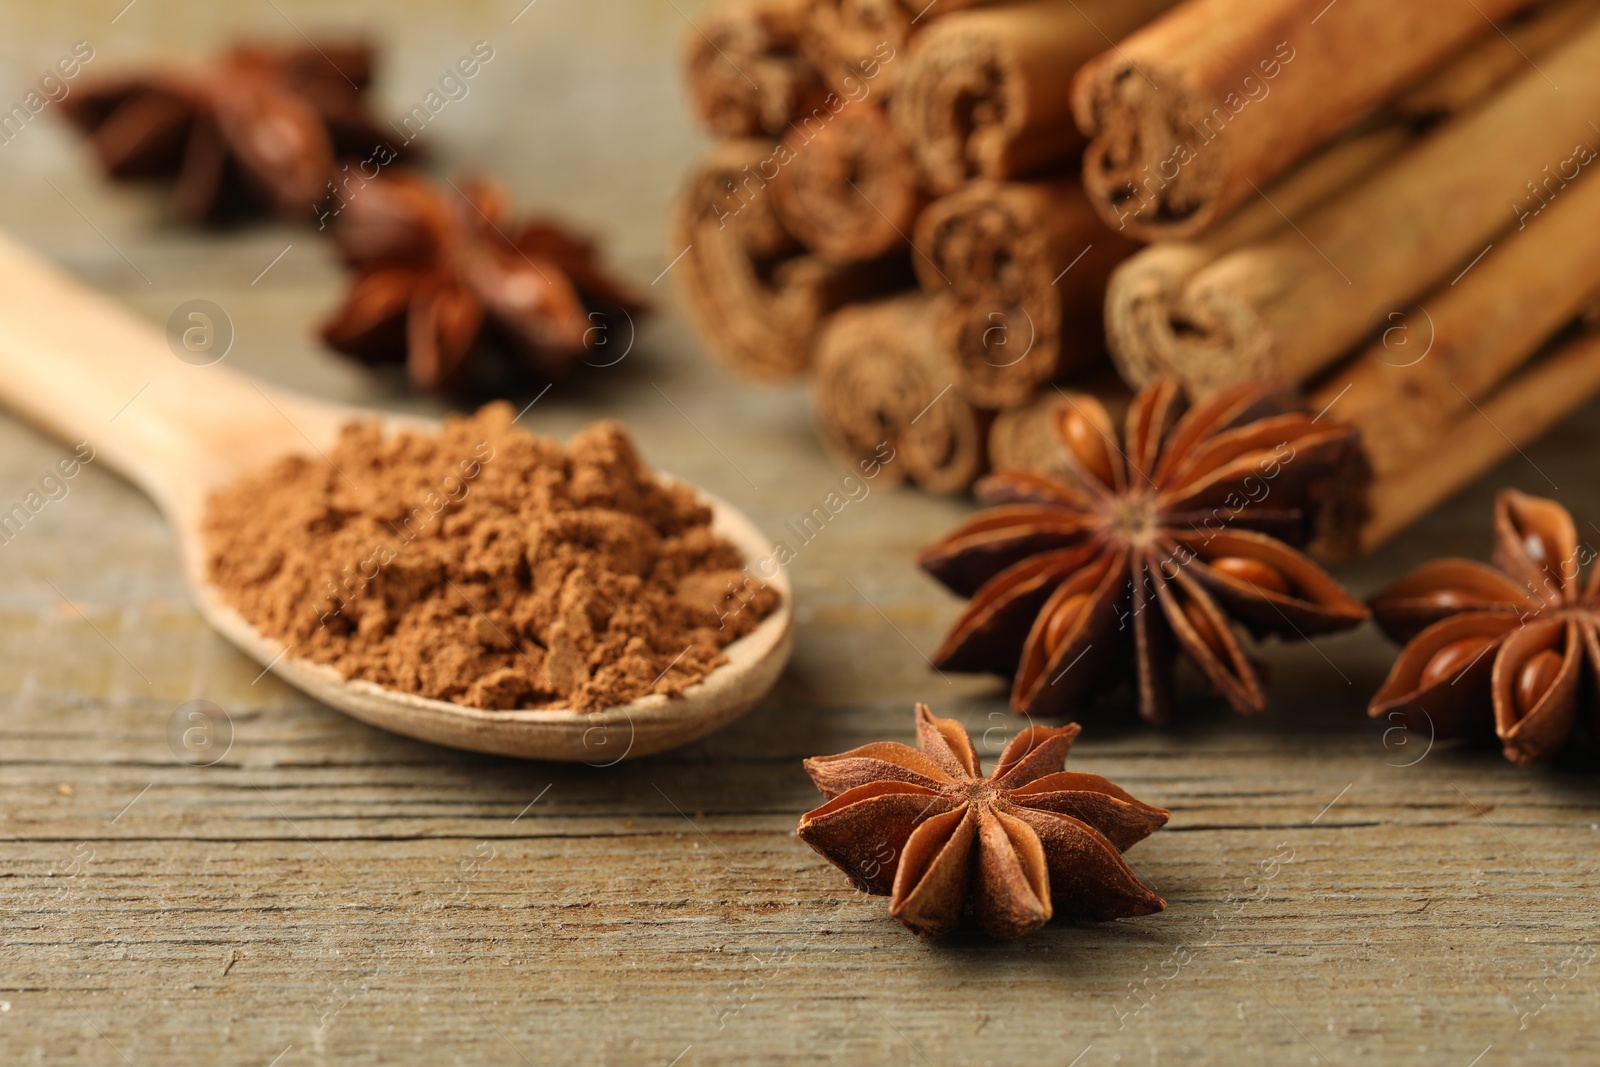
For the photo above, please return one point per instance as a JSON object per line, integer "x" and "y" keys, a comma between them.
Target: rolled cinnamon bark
{"x": 1208, "y": 103}
{"x": 984, "y": 93}
{"x": 753, "y": 295}
{"x": 745, "y": 71}
{"x": 1434, "y": 362}
{"x": 1530, "y": 403}
{"x": 1287, "y": 306}
{"x": 855, "y": 42}
{"x": 1018, "y": 273}
{"x": 1021, "y": 438}
{"x": 884, "y": 396}
{"x": 1495, "y": 58}
{"x": 847, "y": 189}
{"x": 1141, "y": 329}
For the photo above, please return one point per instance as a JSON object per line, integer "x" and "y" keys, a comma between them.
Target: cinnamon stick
{"x": 1287, "y": 306}
{"x": 752, "y": 293}
{"x": 984, "y": 93}
{"x": 1022, "y": 438}
{"x": 883, "y": 395}
{"x": 1143, "y": 331}
{"x": 1434, "y": 362}
{"x": 847, "y": 189}
{"x": 1530, "y": 403}
{"x": 1193, "y": 113}
{"x": 851, "y": 41}
{"x": 744, "y": 68}
{"x": 1018, "y": 273}
{"x": 1495, "y": 58}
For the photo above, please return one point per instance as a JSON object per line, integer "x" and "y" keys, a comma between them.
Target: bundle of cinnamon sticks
{"x": 937, "y": 211}
{"x": 1381, "y": 203}
{"x": 895, "y": 209}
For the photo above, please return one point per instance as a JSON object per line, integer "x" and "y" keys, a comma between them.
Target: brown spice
{"x": 264, "y": 127}
{"x": 485, "y": 566}
{"x": 1513, "y": 646}
{"x": 447, "y": 275}
{"x": 1142, "y": 548}
{"x": 925, "y": 828}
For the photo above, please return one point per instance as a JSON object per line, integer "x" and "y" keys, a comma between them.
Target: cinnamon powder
{"x": 485, "y": 566}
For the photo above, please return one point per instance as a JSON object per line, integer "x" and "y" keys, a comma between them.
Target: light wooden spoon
{"x": 86, "y": 369}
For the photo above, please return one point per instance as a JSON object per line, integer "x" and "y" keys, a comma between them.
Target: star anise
{"x": 1031, "y": 840}
{"x": 1141, "y": 550}
{"x": 260, "y": 130}
{"x": 1507, "y": 646}
{"x": 439, "y": 270}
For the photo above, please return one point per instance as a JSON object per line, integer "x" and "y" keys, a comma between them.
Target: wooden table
{"x": 326, "y": 893}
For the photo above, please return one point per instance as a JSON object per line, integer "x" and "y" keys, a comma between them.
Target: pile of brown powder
{"x": 485, "y": 566}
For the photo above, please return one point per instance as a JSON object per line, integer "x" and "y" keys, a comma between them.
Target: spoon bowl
{"x": 180, "y": 425}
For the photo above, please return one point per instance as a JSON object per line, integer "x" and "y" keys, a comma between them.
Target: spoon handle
{"x": 86, "y": 369}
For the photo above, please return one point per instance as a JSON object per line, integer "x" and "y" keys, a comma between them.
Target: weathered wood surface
{"x": 326, "y": 893}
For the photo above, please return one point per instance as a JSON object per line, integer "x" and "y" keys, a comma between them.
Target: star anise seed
{"x": 439, "y": 269}
{"x": 1515, "y": 646}
{"x": 1146, "y": 548}
{"x": 1029, "y": 841}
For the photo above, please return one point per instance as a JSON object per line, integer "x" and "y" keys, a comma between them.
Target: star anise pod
{"x": 1031, "y": 840}
{"x": 440, "y": 269}
{"x": 260, "y": 130}
{"x": 1147, "y": 548}
{"x": 1517, "y": 647}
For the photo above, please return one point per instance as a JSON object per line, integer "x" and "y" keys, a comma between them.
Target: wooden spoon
{"x": 86, "y": 369}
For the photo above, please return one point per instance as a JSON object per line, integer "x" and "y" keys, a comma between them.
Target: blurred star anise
{"x": 260, "y": 130}
{"x": 1518, "y": 647}
{"x": 1029, "y": 841}
{"x": 1147, "y": 548}
{"x": 440, "y": 270}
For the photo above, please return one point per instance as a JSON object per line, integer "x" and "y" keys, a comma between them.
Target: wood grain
{"x": 330, "y": 894}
